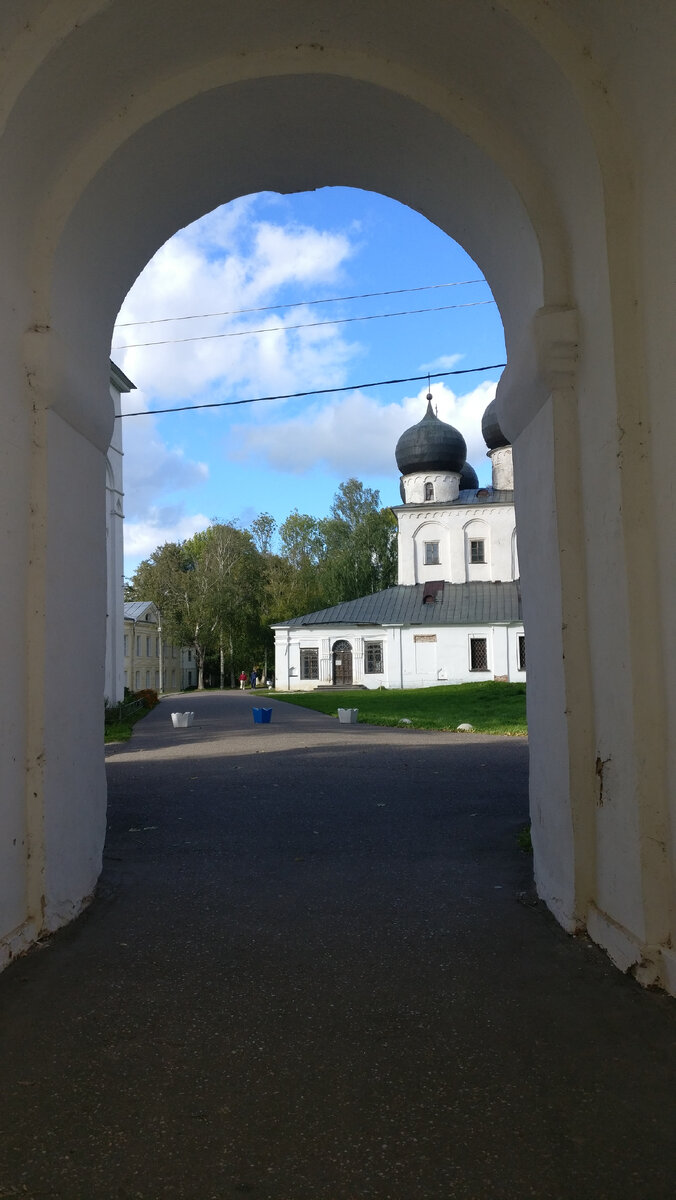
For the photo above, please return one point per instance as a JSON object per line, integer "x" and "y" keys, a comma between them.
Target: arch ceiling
{"x": 146, "y": 130}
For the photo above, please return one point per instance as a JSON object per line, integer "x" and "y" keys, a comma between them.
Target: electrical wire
{"x": 236, "y": 312}
{"x": 353, "y": 387}
{"x": 210, "y": 337}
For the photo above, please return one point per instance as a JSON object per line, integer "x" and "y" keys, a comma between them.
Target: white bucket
{"x": 182, "y": 720}
{"x": 348, "y": 716}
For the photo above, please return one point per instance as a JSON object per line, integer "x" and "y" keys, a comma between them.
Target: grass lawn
{"x": 120, "y": 731}
{"x": 489, "y": 707}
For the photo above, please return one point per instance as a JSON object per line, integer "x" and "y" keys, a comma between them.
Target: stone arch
{"x": 155, "y": 129}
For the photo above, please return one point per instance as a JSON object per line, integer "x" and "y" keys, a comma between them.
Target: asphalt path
{"x": 315, "y": 970}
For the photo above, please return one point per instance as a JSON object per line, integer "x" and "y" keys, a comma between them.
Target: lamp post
{"x": 161, "y": 652}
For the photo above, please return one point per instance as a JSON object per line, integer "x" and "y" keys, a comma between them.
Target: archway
{"x": 100, "y": 176}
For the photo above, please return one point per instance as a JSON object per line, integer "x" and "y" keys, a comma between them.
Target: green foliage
{"x": 361, "y": 544}
{"x": 498, "y": 708}
{"x": 119, "y": 719}
{"x": 263, "y": 530}
{"x": 524, "y": 841}
{"x": 208, "y": 592}
{"x": 221, "y": 590}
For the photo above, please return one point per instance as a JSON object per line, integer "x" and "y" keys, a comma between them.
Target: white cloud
{"x": 445, "y": 362}
{"x": 230, "y": 261}
{"x": 151, "y": 467}
{"x": 356, "y": 434}
{"x": 160, "y": 525}
{"x": 154, "y": 471}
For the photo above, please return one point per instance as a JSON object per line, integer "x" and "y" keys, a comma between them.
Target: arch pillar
{"x": 537, "y": 405}
{"x": 54, "y": 794}
{"x": 597, "y": 827}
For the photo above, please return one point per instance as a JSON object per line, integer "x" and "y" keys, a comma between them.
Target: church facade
{"x": 455, "y": 614}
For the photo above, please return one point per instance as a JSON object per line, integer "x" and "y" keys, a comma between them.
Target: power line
{"x": 210, "y": 337}
{"x": 353, "y": 387}
{"x": 236, "y": 312}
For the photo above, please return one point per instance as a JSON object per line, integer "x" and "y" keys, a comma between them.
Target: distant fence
{"x": 118, "y": 712}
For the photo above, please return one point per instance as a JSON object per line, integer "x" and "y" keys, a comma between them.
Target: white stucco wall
{"x": 113, "y": 688}
{"x": 453, "y": 528}
{"x": 445, "y": 486}
{"x": 413, "y": 656}
{"x": 502, "y": 468}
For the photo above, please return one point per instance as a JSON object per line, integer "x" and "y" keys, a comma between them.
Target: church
{"x": 455, "y": 614}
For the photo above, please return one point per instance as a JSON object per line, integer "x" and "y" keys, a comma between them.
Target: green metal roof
{"x": 460, "y": 604}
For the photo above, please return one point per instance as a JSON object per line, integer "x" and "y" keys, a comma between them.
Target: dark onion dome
{"x": 431, "y": 445}
{"x": 468, "y": 479}
{"x": 490, "y": 428}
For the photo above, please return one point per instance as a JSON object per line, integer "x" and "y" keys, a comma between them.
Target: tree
{"x": 302, "y": 545}
{"x": 353, "y": 503}
{"x": 208, "y": 591}
{"x": 231, "y": 566}
{"x": 361, "y": 544}
{"x": 263, "y": 530}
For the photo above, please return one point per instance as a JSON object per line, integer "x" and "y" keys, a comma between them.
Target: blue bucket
{"x": 262, "y": 716}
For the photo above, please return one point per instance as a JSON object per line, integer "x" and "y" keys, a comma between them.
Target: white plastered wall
{"x": 413, "y": 657}
{"x": 539, "y": 137}
{"x": 113, "y": 688}
{"x": 453, "y": 528}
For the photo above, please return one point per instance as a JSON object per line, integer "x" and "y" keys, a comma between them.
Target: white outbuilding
{"x": 455, "y": 613}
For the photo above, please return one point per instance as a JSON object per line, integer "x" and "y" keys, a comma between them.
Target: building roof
{"x": 431, "y": 445}
{"x": 490, "y": 428}
{"x": 460, "y": 604}
{"x": 135, "y": 609}
{"x": 119, "y": 380}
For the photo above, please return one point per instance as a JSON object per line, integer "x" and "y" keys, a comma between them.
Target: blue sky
{"x": 185, "y": 469}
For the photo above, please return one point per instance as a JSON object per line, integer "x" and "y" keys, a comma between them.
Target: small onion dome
{"x": 490, "y": 428}
{"x": 468, "y": 479}
{"x": 431, "y": 445}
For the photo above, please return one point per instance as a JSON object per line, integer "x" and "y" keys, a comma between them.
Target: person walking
{"x": 242, "y": 681}
{"x": 253, "y": 678}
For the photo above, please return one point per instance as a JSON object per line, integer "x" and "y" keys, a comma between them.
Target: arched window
{"x": 429, "y": 491}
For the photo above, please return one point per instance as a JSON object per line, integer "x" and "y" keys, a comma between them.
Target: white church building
{"x": 455, "y": 614}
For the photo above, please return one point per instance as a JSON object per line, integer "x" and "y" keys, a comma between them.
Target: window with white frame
{"x": 478, "y": 654}
{"x": 138, "y": 646}
{"x": 429, "y": 491}
{"x": 431, "y": 554}
{"x": 149, "y": 642}
{"x": 147, "y": 679}
{"x": 521, "y": 651}
{"x": 309, "y": 662}
{"x": 126, "y": 645}
{"x": 137, "y": 680}
{"x": 477, "y": 550}
{"x": 373, "y": 658}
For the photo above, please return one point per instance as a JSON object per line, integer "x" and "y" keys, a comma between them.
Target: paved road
{"x": 311, "y": 973}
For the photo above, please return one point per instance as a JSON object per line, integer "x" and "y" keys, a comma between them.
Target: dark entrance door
{"x": 342, "y": 663}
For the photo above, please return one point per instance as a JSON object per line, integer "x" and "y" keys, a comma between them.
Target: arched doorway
{"x": 341, "y": 657}
{"x": 154, "y": 132}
